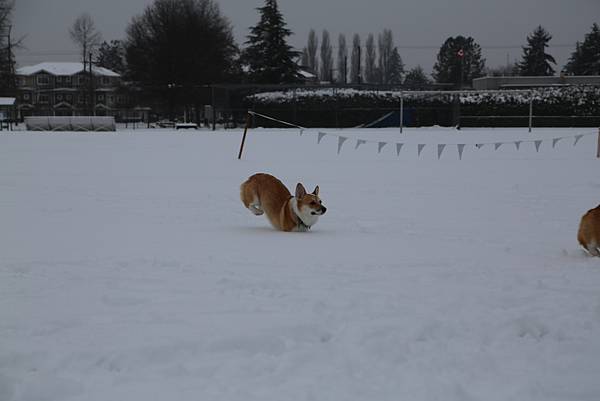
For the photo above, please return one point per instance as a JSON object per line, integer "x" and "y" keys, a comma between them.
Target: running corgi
{"x": 589, "y": 231}
{"x": 263, "y": 193}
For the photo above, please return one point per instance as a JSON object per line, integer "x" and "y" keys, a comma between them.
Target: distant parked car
{"x": 165, "y": 124}
{"x": 186, "y": 126}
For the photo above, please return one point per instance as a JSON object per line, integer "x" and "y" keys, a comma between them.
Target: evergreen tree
{"x": 112, "y": 56}
{"x": 585, "y": 60}
{"x": 342, "y": 59}
{"x": 268, "y": 56}
{"x": 574, "y": 66}
{"x": 326, "y": 58}
{"x": 416, "y": 78}
{"x": 535, "y": 61}
{"x": 395, "y": 69}
{"x": 356, "y": 61}
{"x": 458, "y": 61}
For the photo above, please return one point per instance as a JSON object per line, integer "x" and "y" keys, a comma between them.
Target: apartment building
{"x": 68, "y": 89}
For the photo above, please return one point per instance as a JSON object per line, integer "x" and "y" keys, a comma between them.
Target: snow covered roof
{"x": 7, "y": 101}
{"x": 306, "y": 74}
{"x": 61, "y": 68}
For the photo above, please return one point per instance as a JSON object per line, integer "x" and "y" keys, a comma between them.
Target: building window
{"x": 43, "y": 98}
{"x": 58, "y": 80}
{"x": 120, "y": 99}
{"x": 111, "y": 99}
{"x": 67, "y": 79}
{"x": 26, "y": 96}
{"x": 105, "y": 81}
{"x": 59, "y": 97}
{"x": 100, "y": 98}
{"x": 43, "y": 79}
{"x": 69, "y": 98}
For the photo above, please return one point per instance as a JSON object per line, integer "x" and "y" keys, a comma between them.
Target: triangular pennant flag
{"x": 301, "y": 132}
{"x": 577, "y": 138}
{"x": 321, "y": 135}
{"x": 381, "y": 146}
{"x": 537, "y": 145}
{"x": 420, "y": 148}
{"x": 518, "y": 144}
{"x": 399, "y": 148}
{"x": 479, "y": 145}
{"x": 555, "y": 141}
{"x": 341, "y": 140}
{"x": 497, "y": 145}
{"x": 440, "y": 150}
{"x": 461, "y": 147}
{"x": 359, "y": 142}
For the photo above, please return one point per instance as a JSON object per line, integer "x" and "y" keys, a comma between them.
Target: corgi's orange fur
{"x": 589, "y": 231}
{"x": 263, "y": 193}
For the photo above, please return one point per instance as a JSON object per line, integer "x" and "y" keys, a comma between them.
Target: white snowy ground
{"x": 129, "y": 269}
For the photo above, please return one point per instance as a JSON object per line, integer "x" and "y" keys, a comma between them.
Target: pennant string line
{"x": 382, "y": 144}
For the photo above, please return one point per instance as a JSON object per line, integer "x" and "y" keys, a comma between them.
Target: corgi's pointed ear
{"x": 300, "y": 191}
{"x": 316, "y": 191}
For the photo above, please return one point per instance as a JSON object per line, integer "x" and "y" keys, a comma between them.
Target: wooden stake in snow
{"x": 244, "y": 137}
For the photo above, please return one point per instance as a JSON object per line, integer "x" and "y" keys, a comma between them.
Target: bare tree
{"x": 342, "y": 59}
{"x": 304, "y": 57}
{"x": 356, "y": 61}
{"x": 7, "y": 46}
{"x": 370, "y": 59}
{"x": 386, "y": 47}
{"x": 84, "y": 34}
{"x": 6, "y": 7}
{"x": 326, "y": 58}
{"x": 313, "y": 44}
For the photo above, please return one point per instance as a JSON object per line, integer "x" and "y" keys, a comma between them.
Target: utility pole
{"x": 91, "y": 88}
{"x": 461, "y": 56}
{"x": 11, "y": 69}
{"x": 10, "y": 65}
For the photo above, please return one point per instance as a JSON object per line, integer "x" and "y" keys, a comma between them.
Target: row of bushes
{"x": 350, "y": 107}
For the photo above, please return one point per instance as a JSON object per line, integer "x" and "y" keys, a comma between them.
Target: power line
{"x": 24, "y": 52}
{"x": 47, "y": 53}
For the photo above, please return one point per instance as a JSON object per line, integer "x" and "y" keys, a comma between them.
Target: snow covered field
{"x": 129, "y": 269}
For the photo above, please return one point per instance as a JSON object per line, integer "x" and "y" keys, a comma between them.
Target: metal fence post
{"x": 598, "y": 149}
{"x": 401, "y": 111}
{"x": 530, "y": 111}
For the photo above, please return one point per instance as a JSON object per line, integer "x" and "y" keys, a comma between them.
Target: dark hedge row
{"x": 350, "y": 107}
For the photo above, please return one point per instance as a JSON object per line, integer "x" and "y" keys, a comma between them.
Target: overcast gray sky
{"x": 419, "y": 26}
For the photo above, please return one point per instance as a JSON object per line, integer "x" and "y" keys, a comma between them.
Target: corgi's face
{"x": 309, "y": 204}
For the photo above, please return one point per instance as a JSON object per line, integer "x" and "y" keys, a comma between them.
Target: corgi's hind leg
{"x": 593, "y": 248}
{"x": 255, "y": 208}
{"x": 250, "y": 199}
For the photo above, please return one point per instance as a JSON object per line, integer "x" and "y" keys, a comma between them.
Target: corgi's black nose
{"x": 323, "y": 209}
